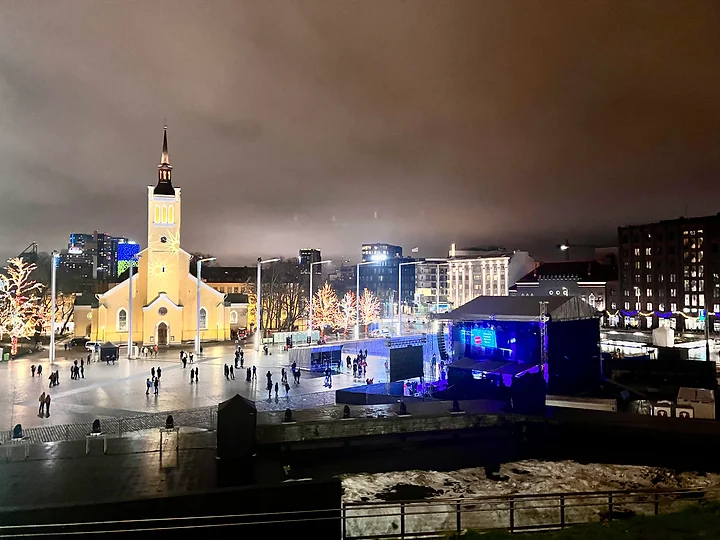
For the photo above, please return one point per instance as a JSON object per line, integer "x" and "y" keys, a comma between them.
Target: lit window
{"x": 637, "y": 251}
{"x": 613, "y": 306}
{"x": 637, "y": 265}
{"x": 627, "y": 305}
{"x": 648, "y": 278}
{"x": 171, "y": 214}
{"x": 673, "y": 307}
{"x": 122, "y": 320}
{"x": 648, "y": 251}
{"x": 673, "y": 292}
{"x": 164, "y": 214}
{"x": 661, "y": 307}
{"x": 672, "y": 278}
{"x": 687, "y": 299}
{"x": 233, "y": 317}
{"x": 203, "y": 319}
{"x": 637, "y": 306}
{"x": 716, "y": 308}
{"x": 649, "y": 306}
{"x": 648, "y": 292}
{"x": 157, "y": 213}
{"x": 648, "y": 264}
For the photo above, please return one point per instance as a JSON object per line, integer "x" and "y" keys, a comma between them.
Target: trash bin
{"x": 6, "y": 356}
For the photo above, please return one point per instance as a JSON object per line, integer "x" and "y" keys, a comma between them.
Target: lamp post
{"x": 199, "y": 281}
{"x": 310, "y": 325}
{"x": 357, "y": 292}
{"x": 53, "y": 292}
{"x": 258, "y": 308}
{"x": 130, "y": 307}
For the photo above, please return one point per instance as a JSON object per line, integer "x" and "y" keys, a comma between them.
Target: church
{"x": 164, "y": 292}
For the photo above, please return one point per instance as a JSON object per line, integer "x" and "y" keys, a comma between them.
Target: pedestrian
{"x": 39, "y": 370}
{"x": 182, "y": 355}
{"x": 227, "y": 372}
{"x": 159, "y": 372}
{"x": 41, "y": 411}
{"x": 269, "y": 386}
{"x": 365, "y": 355}
{"x": 152, "y": 372}
{"x": 47, "y": 406}
{"x": 156, "y": 350}
{"x": 156, "y": 384}
{"x": 82, "y": 370}
{"x": 191, "y": 357}
{"x": 192, "y": 375}
{"x": 248, "y": 375}
{"x": 88, "y": 358}
{"x": 232, "y": 373}
{"x": 32, "y": 369}
{"x": 297, "y": 373}
{"x": 197, "y": 375}
{"x": 242, "y": 360}
{"x": 254, "y": 373}
{"x": 287, "y": 390}
{"x": 276, "y": 390}
{"x": 201, "y": 350}
{"x": 184, "y": 361}
{"x": 354, "y": 370}
{"x": 148, "y": 383}
{"x": 348, "y": 361}
{"x": 242, "y": 355}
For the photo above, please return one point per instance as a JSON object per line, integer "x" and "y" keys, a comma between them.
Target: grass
{"x": 694, "y": 522}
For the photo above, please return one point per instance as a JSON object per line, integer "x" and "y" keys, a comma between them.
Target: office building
{"x": 431, "y": 287}
{"x": 381, "y": 278}
{"x": 670, "y": 273}
{"x": 229, "y": 279}
{"x": 94, "y": 257}
{"x": 484, "y": 271}
{"x": 306, "y": 258}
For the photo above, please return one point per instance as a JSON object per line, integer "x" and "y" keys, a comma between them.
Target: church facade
{"x": 164, "y": 292}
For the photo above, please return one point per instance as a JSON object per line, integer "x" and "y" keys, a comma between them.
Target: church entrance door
{"x": 162, "y": 331}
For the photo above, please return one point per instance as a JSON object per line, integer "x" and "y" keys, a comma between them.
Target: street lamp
{"x": 258, "y": 309}
{"x": 376, "y": 259}
{"x": 310, "y": 326}
{"x": 130, "y": 307}
{"x": 400, "y": 286}
{"x": 199, "y": 281}
{"x": 53, "y": 292}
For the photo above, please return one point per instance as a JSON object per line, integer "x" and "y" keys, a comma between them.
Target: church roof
{"x": 164, "y": 185}
{"x": 236, "y": 298}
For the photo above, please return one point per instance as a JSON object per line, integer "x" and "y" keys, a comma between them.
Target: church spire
{"x": 164, "y": 185}
{"x": 165, "y": 160}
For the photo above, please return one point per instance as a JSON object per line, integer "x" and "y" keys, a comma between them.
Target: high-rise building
{"x": 431, "y": 286}
{"x": 95, "y": 257}
{"x": 484, "y": 271}
{"x": 670, "y": 273}
{"x": 306, "y": 258}
{"x": 381, "y": 278}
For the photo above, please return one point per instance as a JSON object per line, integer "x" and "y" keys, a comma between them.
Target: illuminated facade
{"x": 164, "y": 292}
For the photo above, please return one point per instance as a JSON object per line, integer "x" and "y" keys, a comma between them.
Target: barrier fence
{"x": 431, "y": 518}
{"x": 202, "y": 418}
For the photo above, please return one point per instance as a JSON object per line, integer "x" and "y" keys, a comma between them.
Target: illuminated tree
{"x": 347, "y": 312}
{"x": 325, "y": 308}
{"x": 369, "y": 308}
{"x": 20, "y": 297}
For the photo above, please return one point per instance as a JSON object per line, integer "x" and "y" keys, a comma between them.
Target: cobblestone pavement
{"x": 116, "y": 393}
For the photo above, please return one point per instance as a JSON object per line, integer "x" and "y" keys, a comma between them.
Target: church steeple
{"x": 164, "y": 185}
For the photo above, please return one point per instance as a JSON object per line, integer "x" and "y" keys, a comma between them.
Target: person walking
{"x": 32, "y": 370}
{"x": 287, "y": 389}
{"x": 254, "y": 373}
{"x": 184, "y": 361}
{"x": 47, "y": 406}
{"x": 82, "y": 370}
{"x": 192, "y": 376}
{"x": 248, "y": 375}
{"x": 41, "y": 410}
{"x": 242, "y": 360}
{"x": 232, "y": 373}
{"x": 191, "y": 357}
{"x": 152, "y": 372}
{"x": 197, "y": 375}
{"x": 148, "y": 384}
{"x": 156, "y": 384}
{"x": 39, "y": 370}
{"x": 269, "y": 387}
{"x": 88, "y": 358}
{"x": 276, "y": 390}
{"x": 227, "y": 373}
{"x": 159, "y": 372}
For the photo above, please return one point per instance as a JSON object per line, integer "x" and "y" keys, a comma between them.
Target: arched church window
{"x": 203, "y": 319}
{"x": 157, "y": 213}
{"x": 122, "y": 320}
{"x": 233, "y": 317}
{"x": 171, "y": 214}
{"x": 164, "y": 214}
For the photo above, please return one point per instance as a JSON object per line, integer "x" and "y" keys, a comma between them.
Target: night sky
{"x": 331, "y": 123}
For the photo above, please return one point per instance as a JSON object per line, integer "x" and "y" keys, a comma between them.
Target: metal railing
{"x": 514, "y": 513}
{"x": 412, "y": 519}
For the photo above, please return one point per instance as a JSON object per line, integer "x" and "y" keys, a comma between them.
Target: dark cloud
{"x": 330, "y": 123}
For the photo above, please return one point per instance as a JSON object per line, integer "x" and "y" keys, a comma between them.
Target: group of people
{"x": 77, "y": 372}
{"x": 359, "y": 363}
{"x": 239, "y": 357}
{"x": 149, "y": 351}
{"x": 276, "y": 386}
{"x": 184, "y": 357}
{"x": 295, "y": 373}
{"x": 44, "y": 410}
{"x": 229, "y": 372}
{"x": 154, "y": 381}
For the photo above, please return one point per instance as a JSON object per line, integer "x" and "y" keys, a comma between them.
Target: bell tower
{"x": 162, "y": 262}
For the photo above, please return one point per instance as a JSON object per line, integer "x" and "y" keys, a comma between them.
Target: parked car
{"x": 79, "y": 341}
{"x": 91, "y": 345}
{"x": 381, "y": 332}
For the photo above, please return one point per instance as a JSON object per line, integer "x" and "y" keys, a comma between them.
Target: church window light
{"x": 203, "y": 319}
{"x": 157, "y": 213}
{"x": 233, "y": 317}
{"x": 171, "y": 214}
{"x": 122, "y": 320}
{"x": 164, "y": 214}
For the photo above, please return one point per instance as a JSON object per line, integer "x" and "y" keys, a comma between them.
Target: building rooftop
{"x": 590, "y": 270}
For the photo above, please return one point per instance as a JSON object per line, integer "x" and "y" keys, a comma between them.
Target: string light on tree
{"x": 369, "y": 309}
{"x": 21, "y": 302}
{"x": 325, "y": 308}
